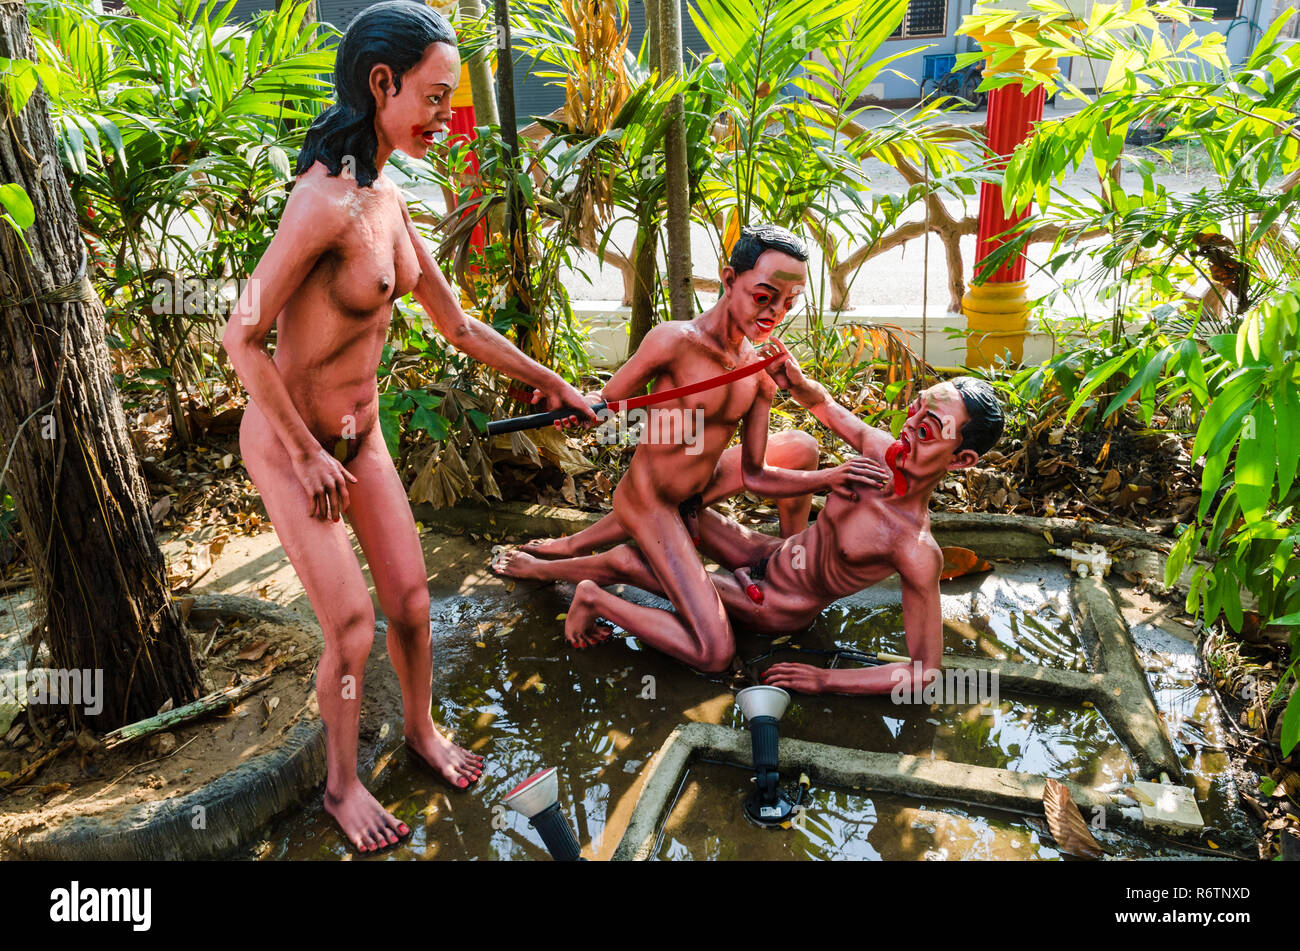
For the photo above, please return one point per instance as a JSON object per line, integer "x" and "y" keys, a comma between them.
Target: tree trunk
{"x": 652, "y": 34}
{"x": 100, "y": 577}
{"x": 516, "y": 220}
{"x": 308, "y": 18}
{"x": 643, "y": 287}
{"x": 675, "y": 171}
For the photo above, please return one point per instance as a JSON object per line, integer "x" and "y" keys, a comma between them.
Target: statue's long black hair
{"x": 395, "y": 33}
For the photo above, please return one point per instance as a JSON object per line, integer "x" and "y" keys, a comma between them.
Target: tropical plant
{"x": 1203, "y": 289}
{"x": 175, "y": 129}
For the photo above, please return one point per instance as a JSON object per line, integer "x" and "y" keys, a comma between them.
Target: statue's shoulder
{"x": 919, "y": 556}
{"x": 321, "y": 198}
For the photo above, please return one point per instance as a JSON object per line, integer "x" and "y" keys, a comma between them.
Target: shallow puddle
{"x": 1192, "y": 718}
{"x": 511, "y": 688}
{"x": 705, "y": 823}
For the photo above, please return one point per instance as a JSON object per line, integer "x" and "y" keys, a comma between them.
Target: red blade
{"x": 677, "y": 392}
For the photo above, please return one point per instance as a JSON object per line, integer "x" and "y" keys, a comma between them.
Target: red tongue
{"x": 895, "y": 456}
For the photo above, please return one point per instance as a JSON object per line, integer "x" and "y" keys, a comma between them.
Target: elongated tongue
{"x": 895, "y": 456}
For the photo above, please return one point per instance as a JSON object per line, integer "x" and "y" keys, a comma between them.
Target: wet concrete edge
{"x": 1022, "y": 534}
{"x": 826, "y": 765}
{"x": 235, "y": 808}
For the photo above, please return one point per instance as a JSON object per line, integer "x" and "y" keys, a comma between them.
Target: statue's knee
{"x": 715, "y": 652}
{"x": 350, "y": 632}
{"x": 714, "y": 661}
{"x": 804, "y": 450}
{"x": 410, "y": 615}
{"x": 624, "y": 559}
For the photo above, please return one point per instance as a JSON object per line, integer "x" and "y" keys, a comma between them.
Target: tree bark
{"x": 676, "y": 172}
{"x": 652, "y": 33}
{"x": 643, "y": 290}
{"x": 100, "y": 577}
{"x": 516, "y": 217}
{"x": 311, "y": 16}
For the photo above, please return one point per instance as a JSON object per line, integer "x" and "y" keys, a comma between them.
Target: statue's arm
{"x": 477, "y": 339}
{"x": 811, "y": 395}
{"x": 307, "y": 230}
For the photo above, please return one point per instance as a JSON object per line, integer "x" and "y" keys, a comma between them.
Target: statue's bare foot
{"x": 457, "y": 766}
{"x": 582, "y": 628}
{"x": 368, "y": 825}
{"x": 517, "y": 563}
{"x": 551, "y": 547}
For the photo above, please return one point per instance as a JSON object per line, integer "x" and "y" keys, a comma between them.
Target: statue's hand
{"x": 856, "y": 476}
{"x": 325, "y": 480}
{"x": 561, "y": 395}
{"x": 786, "y": 373}
{"x": 799, "y": 677}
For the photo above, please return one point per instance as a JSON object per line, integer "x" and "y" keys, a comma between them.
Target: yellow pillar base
{"x": 996, "y": 321}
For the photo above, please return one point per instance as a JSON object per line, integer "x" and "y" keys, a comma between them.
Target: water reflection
{"x": 512, "y": 689}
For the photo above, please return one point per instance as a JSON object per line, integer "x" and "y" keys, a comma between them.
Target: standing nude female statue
{"x": 344, "y": 252}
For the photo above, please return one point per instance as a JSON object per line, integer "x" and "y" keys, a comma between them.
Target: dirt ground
{"x": 89, "y": 780}
{"x": 106, "y": 784}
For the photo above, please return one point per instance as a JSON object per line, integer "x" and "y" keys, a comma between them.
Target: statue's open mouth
{"x": 895, "y": 458}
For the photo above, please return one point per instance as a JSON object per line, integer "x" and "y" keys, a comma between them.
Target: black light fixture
{"x": 537, "y": 799}
{"x": 762, "y": 707}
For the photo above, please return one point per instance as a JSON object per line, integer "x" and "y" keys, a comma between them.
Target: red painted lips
{"x": 895, "y": 458}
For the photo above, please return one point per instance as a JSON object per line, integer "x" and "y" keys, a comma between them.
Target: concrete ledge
{"x": 515, "y": 518}
{"x": 987, "y": 534}
{"x": 1126, "y": 700}
{"x": 826, "y": 765}
{"x": 235, "y": 808}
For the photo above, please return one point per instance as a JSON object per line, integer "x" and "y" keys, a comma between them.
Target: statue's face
{"x": 760, "y": 298}
{"x": 927, "y": 444}
{"x": 409, "y": 119}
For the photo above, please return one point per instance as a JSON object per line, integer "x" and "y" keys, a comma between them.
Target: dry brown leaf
{"x": 161, "y": 508}
{"x": 254, "y": 651}
{"x": 1066, "y": 823}
{"x": 554, "y": 446}
{"x": 216, "y": 545}
{"x": 1288, "y": 784}
{"x": 961, "y": 561}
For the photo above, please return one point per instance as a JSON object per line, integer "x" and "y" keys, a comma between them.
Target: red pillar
{"x": 996, "y": 311}
{"x": 462, "y": 128}
{"x": 1012, "y": 114}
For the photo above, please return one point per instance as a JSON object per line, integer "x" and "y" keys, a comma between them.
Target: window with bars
{"x": 924, "y": 18}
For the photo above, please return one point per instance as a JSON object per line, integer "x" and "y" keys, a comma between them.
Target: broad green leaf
{"x": 1291, "y": 724}
{"x": 1256, "y": 462}
{"x": 1286, "y": 402}
{"x": 16, "y": 203}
